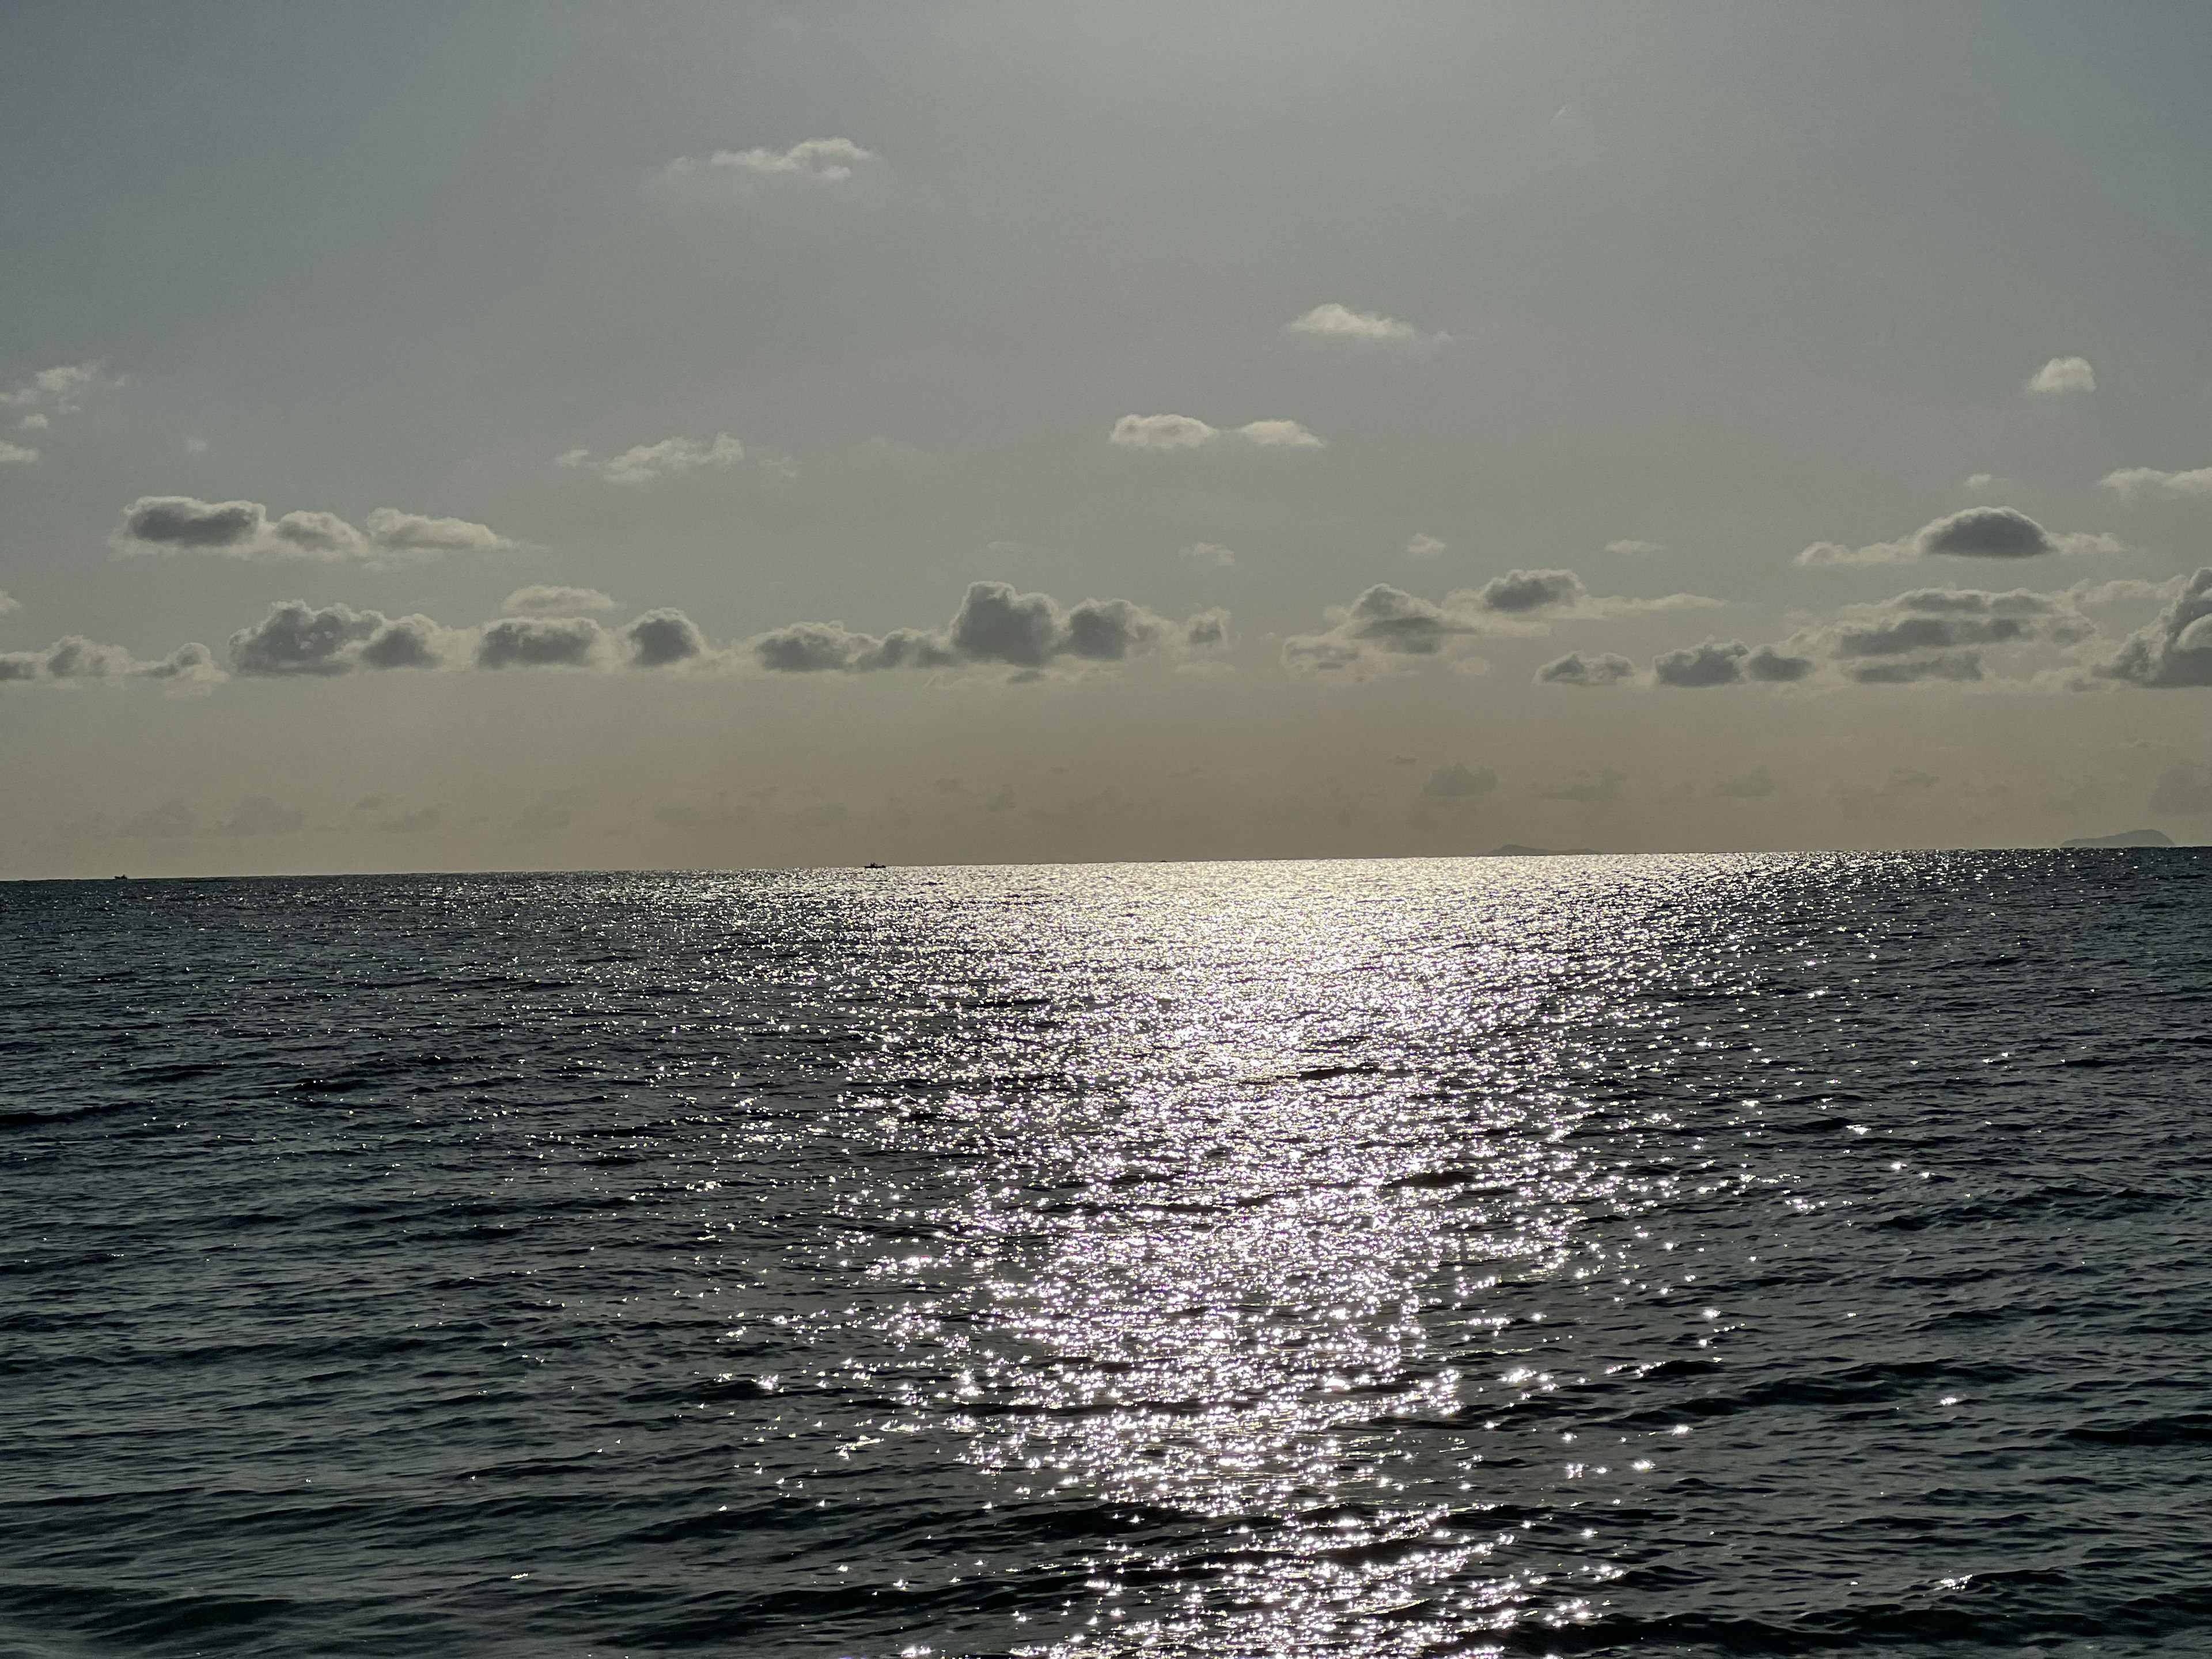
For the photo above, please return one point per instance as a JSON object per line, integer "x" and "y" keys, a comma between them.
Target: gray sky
{"x": 454, "y": 436}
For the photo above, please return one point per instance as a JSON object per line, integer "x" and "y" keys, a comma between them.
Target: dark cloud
{"x": 244, "y": 530}
{"x": 660, "y": 638}
{"x": 2176, "y": 649}
{"x": 295, "y": 638}
{"x": 183, "y": 521}
{"x": 1518, "y": 591}
{"x": 1456, "y": 782}
{"x": 1771, "y": 665}
{"x": 1717, "y": 662}
{"x": 995, "y": 625}
{"x": 1578, "y": 668}
{"x": 539, "y": 642}
{"x": 1987, "y": 532}
{"x": 76, "y": 658}
{"x": 404, "y": 643}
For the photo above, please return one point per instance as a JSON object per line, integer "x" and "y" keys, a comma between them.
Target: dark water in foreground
{"x": 1666, "y": 1255}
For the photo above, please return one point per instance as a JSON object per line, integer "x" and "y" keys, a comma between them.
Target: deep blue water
{"x": 1689, "y": 1255}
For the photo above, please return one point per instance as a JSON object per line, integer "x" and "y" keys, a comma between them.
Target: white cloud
{"x": 669, "y": 459}
{"x": 1212, "y": 553}
{"x": 1983, "y": 483}
{"x": 196, "y": 446}
{"x": 16, "y": 453}
{"x": 33, "y": 424}
{"x": 1634, "y": 549}
{"x": 55, "y": 383}
{"x": 1167, "y": 433}
{"x": 1163, "y": 432}
{"x": 2132, "y": 481}
{"x": 244, "y": 530}
{"x": 1280, "y": 434}
{"x": 8, "y": 605}
{"x": 1333, "y": 321}
{"x": 2062, "y": 375}
{"x": 1422, "y": 545}
{"x": 1979, "y": 532}
{"x": 812, "y": 160}
{"x": 541, "y": 599}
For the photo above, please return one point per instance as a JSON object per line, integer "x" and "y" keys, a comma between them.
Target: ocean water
{"x": 1691, "y": 1255}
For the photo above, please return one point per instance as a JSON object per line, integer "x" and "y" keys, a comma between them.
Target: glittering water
{"x": 1674, "y": 1256}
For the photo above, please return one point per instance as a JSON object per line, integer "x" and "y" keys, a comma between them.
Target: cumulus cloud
{"x": 540, "y": 642}
{"x": 2062, "y": 375}
{"x": 76, "y": 658}
{"x": 1386, "y": 622}
{"x": 244, "y": 530}
{"x": 1166, "y": 433}
{"x": 1928, "y": 633}
{"x": 2130, "y": 482}
{"x": 1212, "y": 553}
{"x": 1982, "y": 483}
{"x": 661, "y": 638}
{"x": 543, "y": 600}
{"x": 22, "y": 454}
{"x": 55, "y": 385}
{"x": 811, "y": 160}
{"x": 1576, "y": 668}
{"x": 1341, "y": 323}
{"x": 297, "y": 639}
{"x": 1728, "y": 662}
{"x": 1421, "y": 545}
{"x": 1978, "y": 532}
{"x": 671, "y": 457}
{"x": 1457, "y": 782}
{"x": 2176, "y": 649}
{"x": 995, "y": 626}
{"x": 1333, "y": 321}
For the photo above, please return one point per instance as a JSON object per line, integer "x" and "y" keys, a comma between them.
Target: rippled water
{"x": 1676, "y": 1256}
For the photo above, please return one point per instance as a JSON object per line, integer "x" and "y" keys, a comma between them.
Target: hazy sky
{"x": 460, "y": 436}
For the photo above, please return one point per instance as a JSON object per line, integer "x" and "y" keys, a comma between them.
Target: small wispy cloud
{"x": 54, "y": 384}
{"x": 1165, "y": 434}
{"x": 2061, "y": 375}
{"x": 811, "y": 160}
{"x": 671, "y": 457}
{"x": 2131, "y": 482}
{"x": 22, "y": 453}
{"x": 1422, "y": 545}
{"x": 1333, "y": 321}
{"x": 1212, "y": 553}
{"x": 1634, "y": 549}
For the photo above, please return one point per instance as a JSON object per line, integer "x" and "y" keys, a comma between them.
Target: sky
{"x": 468, "y": 436}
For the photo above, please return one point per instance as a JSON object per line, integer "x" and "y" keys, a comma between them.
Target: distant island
{"x": 1514, "y": 849}
{"x": 2125, "y": 838}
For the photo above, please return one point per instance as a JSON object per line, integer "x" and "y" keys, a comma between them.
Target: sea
{"x": 1644, "y": 1255}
